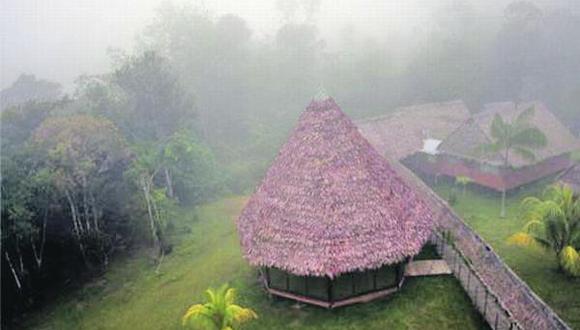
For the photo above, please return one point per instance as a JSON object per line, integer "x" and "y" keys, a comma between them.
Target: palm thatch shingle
{"x": 330, "y": 204}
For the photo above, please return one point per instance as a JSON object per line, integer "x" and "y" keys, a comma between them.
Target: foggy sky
{"x": 61, "y": 39}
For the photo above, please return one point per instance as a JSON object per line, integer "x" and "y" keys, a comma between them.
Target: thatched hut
{"x": 460, "y": 153}
{"x": 332, "y": 223}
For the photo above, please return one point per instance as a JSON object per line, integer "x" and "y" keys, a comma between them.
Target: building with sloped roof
{"x": 460, "y": 154}
{"x": 332, "y": 223}
{"x": 403, "y": 132}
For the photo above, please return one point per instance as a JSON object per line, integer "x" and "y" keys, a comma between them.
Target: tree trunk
{"x": 146, "y": 192}
{"x": 14, "y": 273}
{"x": 168, "y": 183}
{"x": 502, "y": 213}
{"x": 503, "y": 198}
{"x": 77, "y": 226}
{"x": 38, "y": 254}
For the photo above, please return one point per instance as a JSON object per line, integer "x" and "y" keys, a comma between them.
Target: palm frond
{"x": 570, "y": 261}
{"x": 521, "y": 239}
{"x": 230, "y": 296}
{"x": 531, "y": 137}
{"x": 241, "y": 315}
{"x": 499, "y": 128}
{"x": 199, "y": 315}
{"x": 488, "y": 148}
{"x": 524, "y": 153}
{"x": 525, "y": 116}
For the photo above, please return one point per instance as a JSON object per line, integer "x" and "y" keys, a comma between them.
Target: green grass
{"x": 538, "y": 268}
{"x": 207, "y": 253}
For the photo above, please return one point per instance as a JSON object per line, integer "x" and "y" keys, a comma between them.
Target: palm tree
{"x": 554, "y": 224}
{"x": 218, "y": 313}
{"x": 517, "y": 136}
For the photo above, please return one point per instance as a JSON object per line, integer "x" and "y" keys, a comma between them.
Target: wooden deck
{"x": 427, "y": 268}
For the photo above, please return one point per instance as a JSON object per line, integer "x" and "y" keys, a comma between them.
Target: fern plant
{"x": 553, "y": 223}
{"x": 218, "y": 313}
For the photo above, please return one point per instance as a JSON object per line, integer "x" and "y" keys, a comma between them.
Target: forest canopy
{"x": 198, "y": 108}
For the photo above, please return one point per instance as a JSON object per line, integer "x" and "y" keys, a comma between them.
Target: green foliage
{"x": 157, "y": 105}
{"x": 554, "y": 224}
{"x": 464, "y": 181}
{"x": 517, "y": 136}
{"x": 538, "y": 267}
{"x": 219, "y": 312}
{"x": 208, "y": 255}
{"x": 195, "y": 167}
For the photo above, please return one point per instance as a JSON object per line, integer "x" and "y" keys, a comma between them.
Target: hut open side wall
{"x": 340, "y": 288}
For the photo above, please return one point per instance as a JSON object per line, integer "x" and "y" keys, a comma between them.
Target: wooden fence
{"x": 482, "y": 296}
{"x": 509, "y": 299}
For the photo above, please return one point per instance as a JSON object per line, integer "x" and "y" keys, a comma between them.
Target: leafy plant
{"x": 218, "y": 313}
{"x": 463, "y": 181}
{"x": 517, "y": 136}
{"x": 553, "y": 224}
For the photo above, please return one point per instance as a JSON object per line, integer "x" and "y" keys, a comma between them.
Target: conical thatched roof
{"x": 330, "y": 204}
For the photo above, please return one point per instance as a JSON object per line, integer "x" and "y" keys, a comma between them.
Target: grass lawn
{"x": 206, "y": 253}
{"x": 537, "y": 267}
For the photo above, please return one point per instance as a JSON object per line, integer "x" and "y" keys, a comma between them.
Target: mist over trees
{"x": 200, "y": 106}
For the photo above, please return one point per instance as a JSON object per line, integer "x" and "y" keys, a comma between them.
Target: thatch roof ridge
{"x": 330, "y": 204}
{"x": 411, "y": 108}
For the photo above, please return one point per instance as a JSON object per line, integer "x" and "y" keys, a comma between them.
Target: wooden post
{"x": 468, "y": 280}
{"x": 306, "y": 285}
{"x": 375, "y": 280}
{"x": 287, "y": 282}
{"x": 496, "y": 319}
{"x": 485, "y": 304}
{"x": 329, "y": 287}
{"x": 352, "y": 284}
{"x": 476, "y": 292}
{"x": 268, "y": 283}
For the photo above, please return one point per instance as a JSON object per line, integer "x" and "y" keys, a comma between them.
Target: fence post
{"x": 496, "y": 319}
{"x": 468, "y": 279}
{"x": 476, "y": 292}
{"x": 485, "y": 304}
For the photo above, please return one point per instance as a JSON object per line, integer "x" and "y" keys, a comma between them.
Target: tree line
{"x": 199, "y": 107}
{"x": 86, "y": 176}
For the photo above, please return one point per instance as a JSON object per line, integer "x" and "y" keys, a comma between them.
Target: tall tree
{"x": 518, "y": 136}
{"x": 84, "y": 157}
{"x": 158, "y": 105}
{"x": 27, "y": 88}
